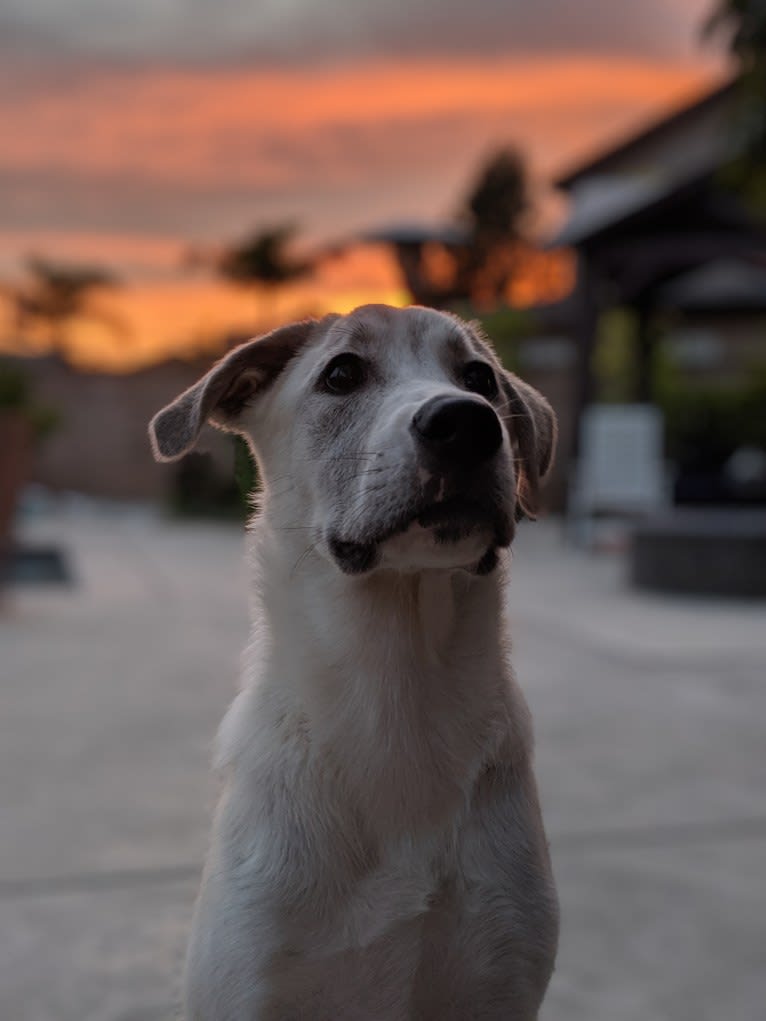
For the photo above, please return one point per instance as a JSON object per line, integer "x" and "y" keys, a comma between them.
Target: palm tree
{"x": 262, "y": 261}
{"x": 55, "y": 294}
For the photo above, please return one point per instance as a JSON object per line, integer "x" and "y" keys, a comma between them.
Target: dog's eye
{"x": 344, "y": 374}
{"x": 480, "y": 379}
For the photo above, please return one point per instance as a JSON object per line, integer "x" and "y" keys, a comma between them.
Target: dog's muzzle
{"x": 457, "y": 439}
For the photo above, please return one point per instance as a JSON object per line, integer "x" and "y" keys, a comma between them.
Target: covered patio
{"x": 657, "y": 229}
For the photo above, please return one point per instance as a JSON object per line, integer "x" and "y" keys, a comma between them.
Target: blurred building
{"x": 100, "y": 444}
{"x": 658, "y": 228}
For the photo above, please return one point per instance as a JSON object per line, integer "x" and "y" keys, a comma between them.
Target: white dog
{"x": 378, "y": 852}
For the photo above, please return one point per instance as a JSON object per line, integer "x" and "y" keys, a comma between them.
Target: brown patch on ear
{"x": 531, "y": 424}
{"x": 243, "y": 388}
{"x": 220, "y": 396}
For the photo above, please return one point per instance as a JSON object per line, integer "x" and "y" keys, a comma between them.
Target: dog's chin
{"x": 438, "y": 537}
{"x": 421, "y": 548}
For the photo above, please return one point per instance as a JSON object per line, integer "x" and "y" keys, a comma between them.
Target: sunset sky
{"x": 130, "y": 131}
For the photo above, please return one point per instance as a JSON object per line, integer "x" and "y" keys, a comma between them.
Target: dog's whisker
{"x": 344, "y": 457}
{"x": 306, "y": 553}
{"x": 358, "y": 498}
{"x": 270, "y": 494}
{"x": 359, "y": 455}
{"x": 357, "y": 504}
{"x": 501, "y": 410}
{"x": 368, "y": 471}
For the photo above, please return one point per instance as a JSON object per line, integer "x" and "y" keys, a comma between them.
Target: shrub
{"x": 706, "y": 423}
{"x": 16, "y": 395}
{"x": 202, "y": 489}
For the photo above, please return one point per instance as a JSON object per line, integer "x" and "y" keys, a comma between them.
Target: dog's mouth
{"x": 451, "y": 520}
{"x": 448, "y": 522}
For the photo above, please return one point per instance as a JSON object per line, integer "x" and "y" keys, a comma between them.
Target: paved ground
{"x": 651, "y": 724}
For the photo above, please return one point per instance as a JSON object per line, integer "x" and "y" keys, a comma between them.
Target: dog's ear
{"x": 221, "y": 395}
{"x": 531, "y": 424}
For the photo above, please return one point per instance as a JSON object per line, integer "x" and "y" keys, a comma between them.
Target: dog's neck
{"x": 402, "y": 676}
{"x": 387, "y": 624}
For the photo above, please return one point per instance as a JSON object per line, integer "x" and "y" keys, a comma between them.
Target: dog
{"x": 378, "y": 852}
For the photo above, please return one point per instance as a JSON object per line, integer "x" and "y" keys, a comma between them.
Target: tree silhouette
{"x": 494, "y": 212}
{"x": 476, "y": 257}
{"x": 743, "y": 23}
{"x": 55, "y": 295}
{"x": 263, "y": 261}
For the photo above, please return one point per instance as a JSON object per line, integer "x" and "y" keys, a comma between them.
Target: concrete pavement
{"x": 651, "y": 727}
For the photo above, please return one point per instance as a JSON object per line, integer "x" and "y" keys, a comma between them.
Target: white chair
{"x": 621, "y": 472}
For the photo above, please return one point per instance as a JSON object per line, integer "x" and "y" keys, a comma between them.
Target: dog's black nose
{"x": 463, "y": 430}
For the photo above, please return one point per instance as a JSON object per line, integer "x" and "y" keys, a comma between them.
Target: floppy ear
{"x": 531, "y": 424}
{"x": 220, "y": 396}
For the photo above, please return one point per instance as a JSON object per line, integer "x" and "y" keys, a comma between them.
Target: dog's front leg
{"x": 490, "y": 938}
{"x": 228, "y": 954}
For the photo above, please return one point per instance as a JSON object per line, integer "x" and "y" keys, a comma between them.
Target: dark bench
{"x": 704, "y": 551}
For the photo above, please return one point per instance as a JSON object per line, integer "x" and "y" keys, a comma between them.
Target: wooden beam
{"x": 645, "y": 350}
{"x": 586, "y": 323}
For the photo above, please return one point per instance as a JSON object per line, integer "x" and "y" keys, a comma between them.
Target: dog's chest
{"x": 410, "y": 757}
{"x": 402, "y": 930}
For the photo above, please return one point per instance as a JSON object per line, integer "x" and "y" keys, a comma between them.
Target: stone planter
{"x": 15, "y": 463}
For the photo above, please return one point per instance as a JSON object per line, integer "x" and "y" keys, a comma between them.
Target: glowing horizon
{"x": 130, "y": 327}
{"x": 128, "y": 166}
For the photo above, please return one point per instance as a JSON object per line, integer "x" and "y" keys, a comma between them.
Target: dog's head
{"x": 386, "y": 437}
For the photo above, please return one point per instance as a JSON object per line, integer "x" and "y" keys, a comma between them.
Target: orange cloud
{"x": 278, "y": 128}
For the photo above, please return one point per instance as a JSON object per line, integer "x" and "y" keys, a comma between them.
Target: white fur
{"x": 378, "y": 851}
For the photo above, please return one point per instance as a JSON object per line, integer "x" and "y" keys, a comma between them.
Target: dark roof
{"x": 601, "y": 163}
{"x": 723, "y": 284}
{"x": 417, "y": 234}
{"x": 609, "y": 204}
